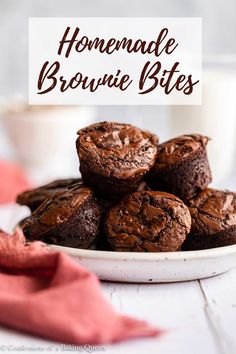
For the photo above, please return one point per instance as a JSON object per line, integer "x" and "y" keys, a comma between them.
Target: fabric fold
{"x": 49, "y": 294}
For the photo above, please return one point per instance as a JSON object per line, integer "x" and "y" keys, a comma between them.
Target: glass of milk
{"x": 43, "y": 137}
{"x": 216, "y": 117}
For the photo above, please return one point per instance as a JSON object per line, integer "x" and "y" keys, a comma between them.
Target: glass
{"x": 216, "y": 117}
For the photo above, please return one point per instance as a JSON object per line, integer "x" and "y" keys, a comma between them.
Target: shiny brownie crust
{"x": 213, "y": 215}
{"x": 114, "y": 157}
{"x": 70, "y": 218}
{"x": 148, "y": 221}
{"x": 34, "y": 197}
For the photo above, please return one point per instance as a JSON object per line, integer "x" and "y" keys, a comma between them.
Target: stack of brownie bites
{"x": 135, "y": 195}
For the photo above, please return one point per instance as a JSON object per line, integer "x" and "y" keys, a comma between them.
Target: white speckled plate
{"x": 154, "y": 267}
{"x": 147, "y": 267}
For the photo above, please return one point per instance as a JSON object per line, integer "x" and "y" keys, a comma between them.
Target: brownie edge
{"x": 181, "y": 167}
{"x": 213, "y": 215}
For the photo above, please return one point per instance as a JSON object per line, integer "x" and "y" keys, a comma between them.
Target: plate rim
{"x": 146, "y": 256}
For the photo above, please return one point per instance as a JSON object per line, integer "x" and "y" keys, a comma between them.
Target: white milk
{"x": 44, "y": 137}
{"x": 216, "y": 118}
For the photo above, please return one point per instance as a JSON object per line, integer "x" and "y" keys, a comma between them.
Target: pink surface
{"x": 12, "y": 181}
{"x": 48, "y": 294}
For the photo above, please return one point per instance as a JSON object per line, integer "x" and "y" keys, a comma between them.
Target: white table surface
{"x": 200, "y": 316}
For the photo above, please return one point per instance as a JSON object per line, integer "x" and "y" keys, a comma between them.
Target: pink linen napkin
{"x": 12, "y": 181}
{"x": 49, "y": 294}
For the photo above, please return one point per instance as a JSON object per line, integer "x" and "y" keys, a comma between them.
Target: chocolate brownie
{"x": 107, "y": 204}
{"x": 143, "y": 187}
{"x": 114, "y": 157}
{"x": 148, "y": 221}
{"x": 34, "y": 197}
{"x": 71, "y": 217}
{"x": 181, "y": 166}
{"x": 213, "y": 220}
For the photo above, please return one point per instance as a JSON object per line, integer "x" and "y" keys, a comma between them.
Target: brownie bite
{"x": 213, "y": 215}
{"x": 107, "y": 204}
{"x": 148, "y": 222}
{"x": 34, "y": 197}
{"x": 114, "y": 157}
{"x": 181, "y": 166}
{"x": 143, "y": 187}
{"x": 70, "y": 218}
